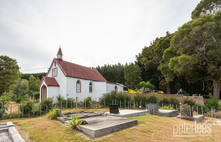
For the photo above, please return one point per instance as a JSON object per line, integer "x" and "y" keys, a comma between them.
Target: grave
{"x": 8, "y": 133}
{"x": 128, "y": 112}
{"x": 98, "y": 124}
{"x": 81, "y": 114}
{"x": 101, "y": 125}
{"x": 197, "y": 118}
{"x": 114, "y": 108}
{"x": 153, "y": 109}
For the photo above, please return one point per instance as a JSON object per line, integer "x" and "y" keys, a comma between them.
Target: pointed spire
{"x": 59, "y": 54}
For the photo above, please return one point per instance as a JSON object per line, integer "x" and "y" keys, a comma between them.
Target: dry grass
{"x": 150, "y": 128}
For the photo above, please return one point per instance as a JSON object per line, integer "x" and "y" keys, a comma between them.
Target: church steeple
{"x": 59, "y": 54}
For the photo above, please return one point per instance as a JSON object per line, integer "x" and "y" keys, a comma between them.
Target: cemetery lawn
{"x": 150, "y": 128}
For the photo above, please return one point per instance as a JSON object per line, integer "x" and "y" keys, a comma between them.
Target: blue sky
{"x": 90, "y": 32}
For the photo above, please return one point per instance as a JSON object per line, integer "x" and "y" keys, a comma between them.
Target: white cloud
{"x": 90, "y": 32}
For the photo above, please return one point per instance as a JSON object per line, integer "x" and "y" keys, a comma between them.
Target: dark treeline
{"x": 36, "y": 75}
{"x": 112, "y": 73}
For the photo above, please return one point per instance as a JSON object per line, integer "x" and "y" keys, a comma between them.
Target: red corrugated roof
{"x": 50, "y": 81}
{"x": 74, "y": 70}
{"x": 59, "y": 52}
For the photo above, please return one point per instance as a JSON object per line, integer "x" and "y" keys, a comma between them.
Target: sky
{"x": 90, "y": 32}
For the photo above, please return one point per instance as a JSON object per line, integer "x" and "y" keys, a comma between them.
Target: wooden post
{"x": 67, "y": 104}
{"x": 120, "y": 103}
{"x": 11, "y": 110}
{"x": 22, "y": 110}
{"x": 85, "y": 103}
{"x": 104, "y": 103}
{"x": 61, "y": 104}
{"x": 197, "y": 110}
{"x": 18, "y": 113}
{"x": 202, "y": 110}
{"x": 2, "y": 111}
{"x": 76, "y": 102}
{"x": 71, "y": 103}
{"x": 115, "y": 102}
{"x": 125, "y": 103}
{"x": 40, "y": 109}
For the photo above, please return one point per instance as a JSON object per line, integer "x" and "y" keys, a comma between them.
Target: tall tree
{"x": 152, "y": 57}
{"x": 9, "y": 73}
{"x": 199, "y": 44}
{"x": 206, "y": 7}
{"x": 20, "y": 87}
{"x": 132, "y": 74}
{"x": 33, "y": 83}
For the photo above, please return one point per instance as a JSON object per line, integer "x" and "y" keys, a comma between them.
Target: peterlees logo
{"x": 187, "y": 130}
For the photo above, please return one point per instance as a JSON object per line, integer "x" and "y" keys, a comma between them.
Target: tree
{"x": 132, "y": 74}
{"x": 153, "y": 57}
{"x": 33, "y": 83}
{"x": 9, "y": 73}
{"x": 198, "y": 44}
{"x": 112, "y": 73}
{"x": 206, "y": 7}
{"x": 20, "y": 87}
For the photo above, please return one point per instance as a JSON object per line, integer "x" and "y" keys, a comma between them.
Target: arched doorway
{"x": 116, "y": 88}
{"x": 43, "y": 92}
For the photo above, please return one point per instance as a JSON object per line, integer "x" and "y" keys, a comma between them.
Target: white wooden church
{"x": 72, "y": 80}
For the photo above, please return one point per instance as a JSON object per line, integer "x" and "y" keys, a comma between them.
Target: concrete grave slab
{"x": 168, "y": 113}
{"x": 8, "y": 133}
{"x": 128, "y": 112}
{"x": 99, "y": 126}
{"x": 197, "y": 118}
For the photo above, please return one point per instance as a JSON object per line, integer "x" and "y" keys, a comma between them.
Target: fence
{"x": 18, "y": 111}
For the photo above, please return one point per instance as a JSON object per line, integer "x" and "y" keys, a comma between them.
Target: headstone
{"x": 59, "y": 112}
{"x": 114, "y": 109}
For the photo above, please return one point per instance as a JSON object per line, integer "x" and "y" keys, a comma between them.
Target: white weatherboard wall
{"x": 98, "y": 88}
{"x": 53, "y": 93}
{"x": 111, "y": 86}
{"x": 61, "y": 79}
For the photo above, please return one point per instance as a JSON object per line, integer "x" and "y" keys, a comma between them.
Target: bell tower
{"x": 59, "y": 54}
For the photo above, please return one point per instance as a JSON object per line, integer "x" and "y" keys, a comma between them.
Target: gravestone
{"x": 114, "y": 108}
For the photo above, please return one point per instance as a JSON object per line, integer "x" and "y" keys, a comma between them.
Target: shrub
{"x": 28, "y": 106}
{"x": 152, "y": 98}
{"x": 4, "y": 100}
{"x": 200, "y": 106}
{"x": 211, "y": 102}
{"x": 167, "y": 107}
{"x": 88, "y": 102}
{"x": 188, "y": 101}
{"x": 74, "y": 123}
{"x": 53, "y": 114}
{"x": 46, "y": 104}
{"x": 219, "y": 104}
{"x": 162, "y": 99}
{"x": 19, "y": 99}
{"x": 69, "y": 100}
{"x": 36, "y": 95}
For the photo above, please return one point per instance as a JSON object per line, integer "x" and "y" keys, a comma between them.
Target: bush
{"x": 211, "y": 102}
{"x": 162, "y": 99}
{"x": 69, "y": 102}
{"x": 88, "y": 102}
{"x": 152, "y": 98}
{"x": 74, "y": 123}
{"x": 167, "y": 107}
{"x": 36, "y": 95}
{"x": 19, "y": 99}
{"x": 46, "y": 104}
{"x": 200, "y": 106}
{"x": 28, "y": 106}
{"x": 4, "y": 99}
{"x": 188, "y": 101}
{"x": 219, "y": 104}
